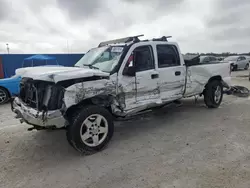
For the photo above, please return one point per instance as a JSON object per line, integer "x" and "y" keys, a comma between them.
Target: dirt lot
{"x": 189, "y": 146}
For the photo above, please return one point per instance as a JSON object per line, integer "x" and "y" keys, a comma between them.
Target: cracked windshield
{"x": 103, "y": 58}
{"x": 124, "y": 94}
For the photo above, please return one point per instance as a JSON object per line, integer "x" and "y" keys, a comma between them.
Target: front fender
{"x": 76, "y": 93}
{"x": 11, "y": 84}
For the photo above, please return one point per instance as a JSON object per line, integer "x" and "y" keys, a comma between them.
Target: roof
{"x": 40, "y": 57}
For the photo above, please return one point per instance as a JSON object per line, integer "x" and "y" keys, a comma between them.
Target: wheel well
{"x": 8, "y": 92}
{"x": 212, "y": 79}
{"x": 103, "y": 101}
{"x": 215, "y": 78}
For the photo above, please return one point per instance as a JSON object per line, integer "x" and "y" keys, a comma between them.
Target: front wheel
{"x": 4, "y": 96}
{"x": 213, "y": 94}
{"x": 91, "y": 129}
{"x": 234, "y": 67}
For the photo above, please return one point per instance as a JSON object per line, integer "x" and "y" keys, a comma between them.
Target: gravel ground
{"x": 189, "y": 146}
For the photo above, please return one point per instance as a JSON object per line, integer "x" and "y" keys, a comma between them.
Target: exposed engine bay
{"x": 41, "y": 95}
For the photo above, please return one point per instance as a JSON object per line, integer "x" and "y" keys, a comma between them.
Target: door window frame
{"x": 131, "y": 52}
{"x": 176, "y": 53}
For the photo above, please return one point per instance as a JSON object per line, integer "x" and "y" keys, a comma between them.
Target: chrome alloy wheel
{"x": 217, "y": 94}
{"x": 94, "y": 130}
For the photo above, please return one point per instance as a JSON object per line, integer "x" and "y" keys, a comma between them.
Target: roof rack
{"x": 121, "y": 40}
{"x": 163, "y": 38}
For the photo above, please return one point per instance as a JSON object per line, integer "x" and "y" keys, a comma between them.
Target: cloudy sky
{"x": 62, "y": 26}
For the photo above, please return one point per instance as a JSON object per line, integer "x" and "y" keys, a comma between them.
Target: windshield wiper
{"x": 92, "y": 67}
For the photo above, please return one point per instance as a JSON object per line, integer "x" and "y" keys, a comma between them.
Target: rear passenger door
{"x": 171, "y": 72}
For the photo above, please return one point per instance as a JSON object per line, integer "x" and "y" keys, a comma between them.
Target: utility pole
{"x": 8, "y": 49}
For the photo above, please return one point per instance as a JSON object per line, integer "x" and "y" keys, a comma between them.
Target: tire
{"x": 235, "y": 67}
{"x": 240, "y": 91}
{"x": 4, "y": 95}
{"x": 213, "y": 94}
{"x": 232, "y": 67}
{"x": 247, "y": 66}
{"x": 91, "y": 129}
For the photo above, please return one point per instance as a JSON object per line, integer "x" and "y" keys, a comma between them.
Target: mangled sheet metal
{"x": 56, "y": 73}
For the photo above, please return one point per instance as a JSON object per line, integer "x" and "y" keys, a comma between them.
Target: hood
{"x": 231, "y": 61}
{"x": 56, "y": 74}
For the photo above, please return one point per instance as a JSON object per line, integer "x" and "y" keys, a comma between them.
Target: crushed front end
{"x": 40, "y": 104}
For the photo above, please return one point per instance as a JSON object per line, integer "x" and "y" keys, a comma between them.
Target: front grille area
{"x": 34, "y": 94}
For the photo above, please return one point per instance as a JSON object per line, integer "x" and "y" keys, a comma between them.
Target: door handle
{"x": 177, "y": 73}
{"x": 154, "y": 76}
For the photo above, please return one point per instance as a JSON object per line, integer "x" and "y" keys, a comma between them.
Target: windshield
{"x": 103, "y": 58}
{"x": 231, "y": 58}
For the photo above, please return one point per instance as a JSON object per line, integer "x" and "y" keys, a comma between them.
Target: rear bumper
{"x": 50, "y": 119}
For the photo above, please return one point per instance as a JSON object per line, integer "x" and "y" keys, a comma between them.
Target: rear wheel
{"x": 4, "y": 95}
{"x": 213, "y": 94}
{"x": 91, "y": 129}
{"x": 246, "y": 67}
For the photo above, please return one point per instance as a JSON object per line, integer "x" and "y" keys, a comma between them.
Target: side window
{"x": 243, "y": 58}
{"x": 212, "y": 59}
{"x": 206, "y": 60}
{"x": 144, "y": 58}
{"x": 168, "y": 56}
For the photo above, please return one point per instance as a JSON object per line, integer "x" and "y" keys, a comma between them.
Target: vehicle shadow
{"x": 51, "y": 147}
{"x": 164, "y": 117}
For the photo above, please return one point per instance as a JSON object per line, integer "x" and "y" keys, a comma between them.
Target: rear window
{"x": 168, "y": 56}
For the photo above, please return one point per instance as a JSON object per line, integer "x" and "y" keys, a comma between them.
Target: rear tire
{"x": 247, "y": 66}
{"x": 4, "y": 95}
{"x": 91, "y": 129}
{"x": 213, "y": 94}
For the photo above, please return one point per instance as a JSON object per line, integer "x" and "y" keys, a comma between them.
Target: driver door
{"x": 147, "y": 77}
{"x": 240, "y": 63}
{"x": 140, "y": 86}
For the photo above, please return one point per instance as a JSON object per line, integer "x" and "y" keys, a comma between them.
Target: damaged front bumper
{"x": 44, "y": 120}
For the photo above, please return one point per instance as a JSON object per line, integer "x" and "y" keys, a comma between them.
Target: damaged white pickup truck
{"x": 119, "y": 78}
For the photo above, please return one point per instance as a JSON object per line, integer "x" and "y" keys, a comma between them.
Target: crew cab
{"x": 119, "y": 78}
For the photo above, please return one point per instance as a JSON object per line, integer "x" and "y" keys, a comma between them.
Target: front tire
{"x": 90, "y": 130}
{"x": 235, "y": 67}
{"x": 4, "y": 96}
{"x": 213, "y": 94}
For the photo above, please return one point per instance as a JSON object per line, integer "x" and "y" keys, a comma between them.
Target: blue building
{"x": 10, "y": 62}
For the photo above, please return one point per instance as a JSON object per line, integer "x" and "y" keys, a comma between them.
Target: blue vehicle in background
{"x": 10, "y": 86}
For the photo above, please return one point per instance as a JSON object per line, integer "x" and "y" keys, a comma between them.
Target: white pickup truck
{"x": 119, "y": 78}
